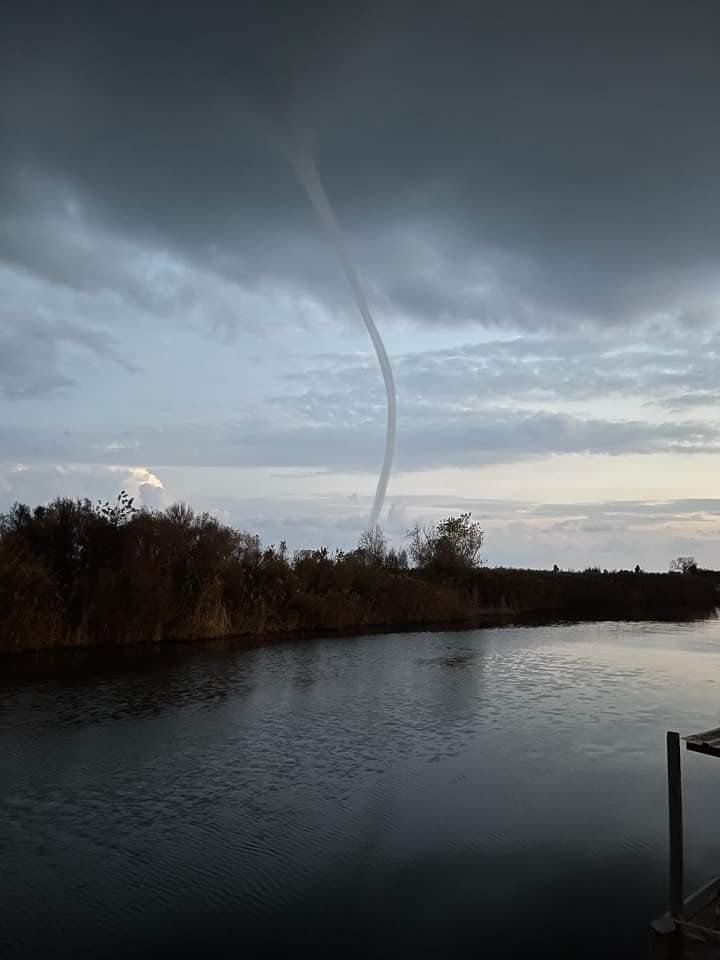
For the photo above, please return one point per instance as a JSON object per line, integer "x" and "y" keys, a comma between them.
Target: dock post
{"x": 675, "y": 814}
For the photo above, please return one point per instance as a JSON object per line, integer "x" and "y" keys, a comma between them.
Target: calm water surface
{"x": 450, "y": 794}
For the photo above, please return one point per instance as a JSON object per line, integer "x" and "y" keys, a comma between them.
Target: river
{"x": 446, "y": 794}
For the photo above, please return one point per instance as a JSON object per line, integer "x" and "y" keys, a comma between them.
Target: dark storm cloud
{"x": 549, "y": 162}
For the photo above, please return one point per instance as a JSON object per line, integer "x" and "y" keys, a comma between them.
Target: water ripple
{"x": 340, "y": 778}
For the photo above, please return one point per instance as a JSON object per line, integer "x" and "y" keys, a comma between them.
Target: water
{"x": 444, "y": 794}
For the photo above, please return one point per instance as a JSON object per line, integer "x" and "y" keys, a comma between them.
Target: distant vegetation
{"x": 74, "y": 573}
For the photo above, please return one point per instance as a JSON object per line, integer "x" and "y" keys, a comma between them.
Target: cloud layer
{"x": 501, "y": 162}
{"x": 530, "y": 194}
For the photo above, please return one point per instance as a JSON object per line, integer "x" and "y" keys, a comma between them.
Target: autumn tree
{"x": 372, "y": 547}
{"x": 449, "y": 546}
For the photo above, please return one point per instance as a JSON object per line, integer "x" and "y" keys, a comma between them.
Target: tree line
{"x": 77, "y": 573}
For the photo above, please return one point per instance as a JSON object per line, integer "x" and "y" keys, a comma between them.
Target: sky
{"x": 530, "y": 195}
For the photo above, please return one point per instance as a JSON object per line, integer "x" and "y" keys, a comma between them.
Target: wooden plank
{"x": 669, "y": 937}
{"x": 707, "y": 742}
{"x": 675, "y": 819}
{"x": 701, "y": 897}
{"x": 707, "y": 933}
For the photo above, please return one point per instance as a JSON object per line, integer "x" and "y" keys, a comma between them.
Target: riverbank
{"x": 77, "y": 575}
{"x": 492, "y": 597}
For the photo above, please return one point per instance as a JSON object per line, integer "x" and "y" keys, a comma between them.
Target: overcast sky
{"x": 531, "y": 194}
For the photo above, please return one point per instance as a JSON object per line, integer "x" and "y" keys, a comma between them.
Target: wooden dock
{"x": 690, "y": 929}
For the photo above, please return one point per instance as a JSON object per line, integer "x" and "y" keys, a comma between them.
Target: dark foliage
{"x": 73, "y": 573}
{"x": 448, "y": 547}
